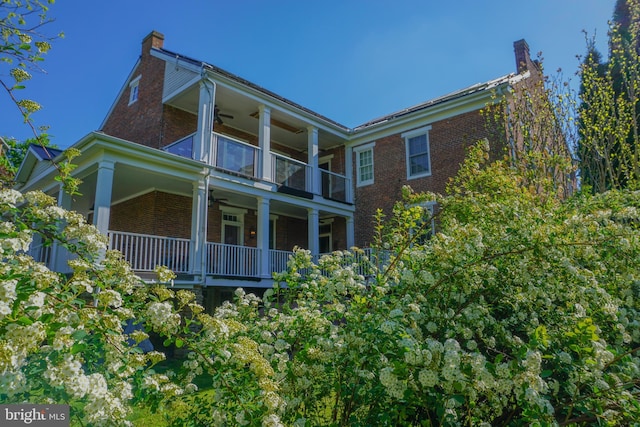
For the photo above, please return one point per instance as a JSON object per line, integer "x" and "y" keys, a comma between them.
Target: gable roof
{"x": 36, "y": 154}
{"x": 470, "y": 90}
{"x": 476, "y": 88}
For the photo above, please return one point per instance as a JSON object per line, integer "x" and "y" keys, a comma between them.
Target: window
{"x": 364, "y": 164}
{"x": 427, "y": 225}
{"x": 418, "y": 157}
{"x": 133, "y": 90}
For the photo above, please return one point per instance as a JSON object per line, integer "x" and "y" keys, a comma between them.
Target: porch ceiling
{"x": 277, "y": 207}
{"x": 129, "y": 181}
{"x": 287, "y": 130}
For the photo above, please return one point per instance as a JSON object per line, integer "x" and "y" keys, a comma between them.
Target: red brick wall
{"x": 155, "y": 213}
{"x": 448, "y": 140}
{"x": 141, "y": 121}
{"x": 147, "y": 121}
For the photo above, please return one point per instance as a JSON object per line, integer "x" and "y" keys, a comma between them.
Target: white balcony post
{"x": 102, "y": 203}
{"x": 264, "y": 140}
{"x": 313, "y": 229}
{"x": 59, "y": 254}
{"x": 350, "y": 232}
{"x": 206, "y": 105}
{"x": 263, "y": 237}
{"x": 312, "y": 149}
{"x": 199, "y": 211}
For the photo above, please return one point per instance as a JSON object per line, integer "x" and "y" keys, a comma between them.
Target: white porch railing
{"x": 40, "y": 252}
{"x": 144, "y": 252}
{"x": 278, "y": 260}
{"x": 232, "y": 260}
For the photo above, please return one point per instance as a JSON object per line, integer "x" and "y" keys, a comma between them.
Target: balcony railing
{"x": 291, "y": 173}
{"x": 144, "y": 252}
{"x": 335, "y": 186}
{"x": 183, "y": 147}
{"x": 235, "y": 156}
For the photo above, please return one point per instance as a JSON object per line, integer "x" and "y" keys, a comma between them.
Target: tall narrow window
{"x": 364, "y": 164}
{"x": 133, "y": 90}
{"x": 418, "y": 155}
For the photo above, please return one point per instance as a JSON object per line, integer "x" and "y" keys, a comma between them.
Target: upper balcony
{"x": 232, "y": 156}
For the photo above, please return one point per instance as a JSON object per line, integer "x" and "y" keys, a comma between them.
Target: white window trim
{"x": 357, "y": 151}
{"x": 411, "y": 134}
{"x": 134, "y": 90}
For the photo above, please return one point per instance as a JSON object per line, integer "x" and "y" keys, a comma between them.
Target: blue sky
{"x": 351, "y": 61}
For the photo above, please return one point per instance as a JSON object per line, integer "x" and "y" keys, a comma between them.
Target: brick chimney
{"x": 523, "y": 59}
{"x": 153, "y": 39}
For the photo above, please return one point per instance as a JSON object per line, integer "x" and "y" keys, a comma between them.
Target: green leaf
{"x": 179, "y": 343}
{"x": 24, "y": 321}
{"x": 546, "y": 373}
{"x": 78, "y": 348}
{"x": 79, "y": 334}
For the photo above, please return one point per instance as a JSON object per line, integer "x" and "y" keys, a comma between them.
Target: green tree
{"x": 12, "y": 152}
{"x": 23, "y": 44}
{"x": 609, "y": 115}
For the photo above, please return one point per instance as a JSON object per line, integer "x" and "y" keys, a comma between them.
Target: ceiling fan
{"x": 217, "y": 115}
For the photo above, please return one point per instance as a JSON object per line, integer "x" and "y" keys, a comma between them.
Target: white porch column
{"x": 350, "y": 233}
{"x": 59, "y": 255}
{"x": 199, "y": 211}
{"x": 202, "y": 147}
{"x": 312, "y": 149}
{"x": 313, "y": 228}
{"x": 102, "y": 203}
{"x": 263, "y": 236}
{"x": 348, "y": 172}
{"x": 264, "y": 140}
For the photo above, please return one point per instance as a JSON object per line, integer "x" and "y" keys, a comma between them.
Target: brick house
{"x": 219, "y": 179}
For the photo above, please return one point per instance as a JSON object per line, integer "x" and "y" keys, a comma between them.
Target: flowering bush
{"x": 521, "y": 310}
{"x": 62, "y": 337}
